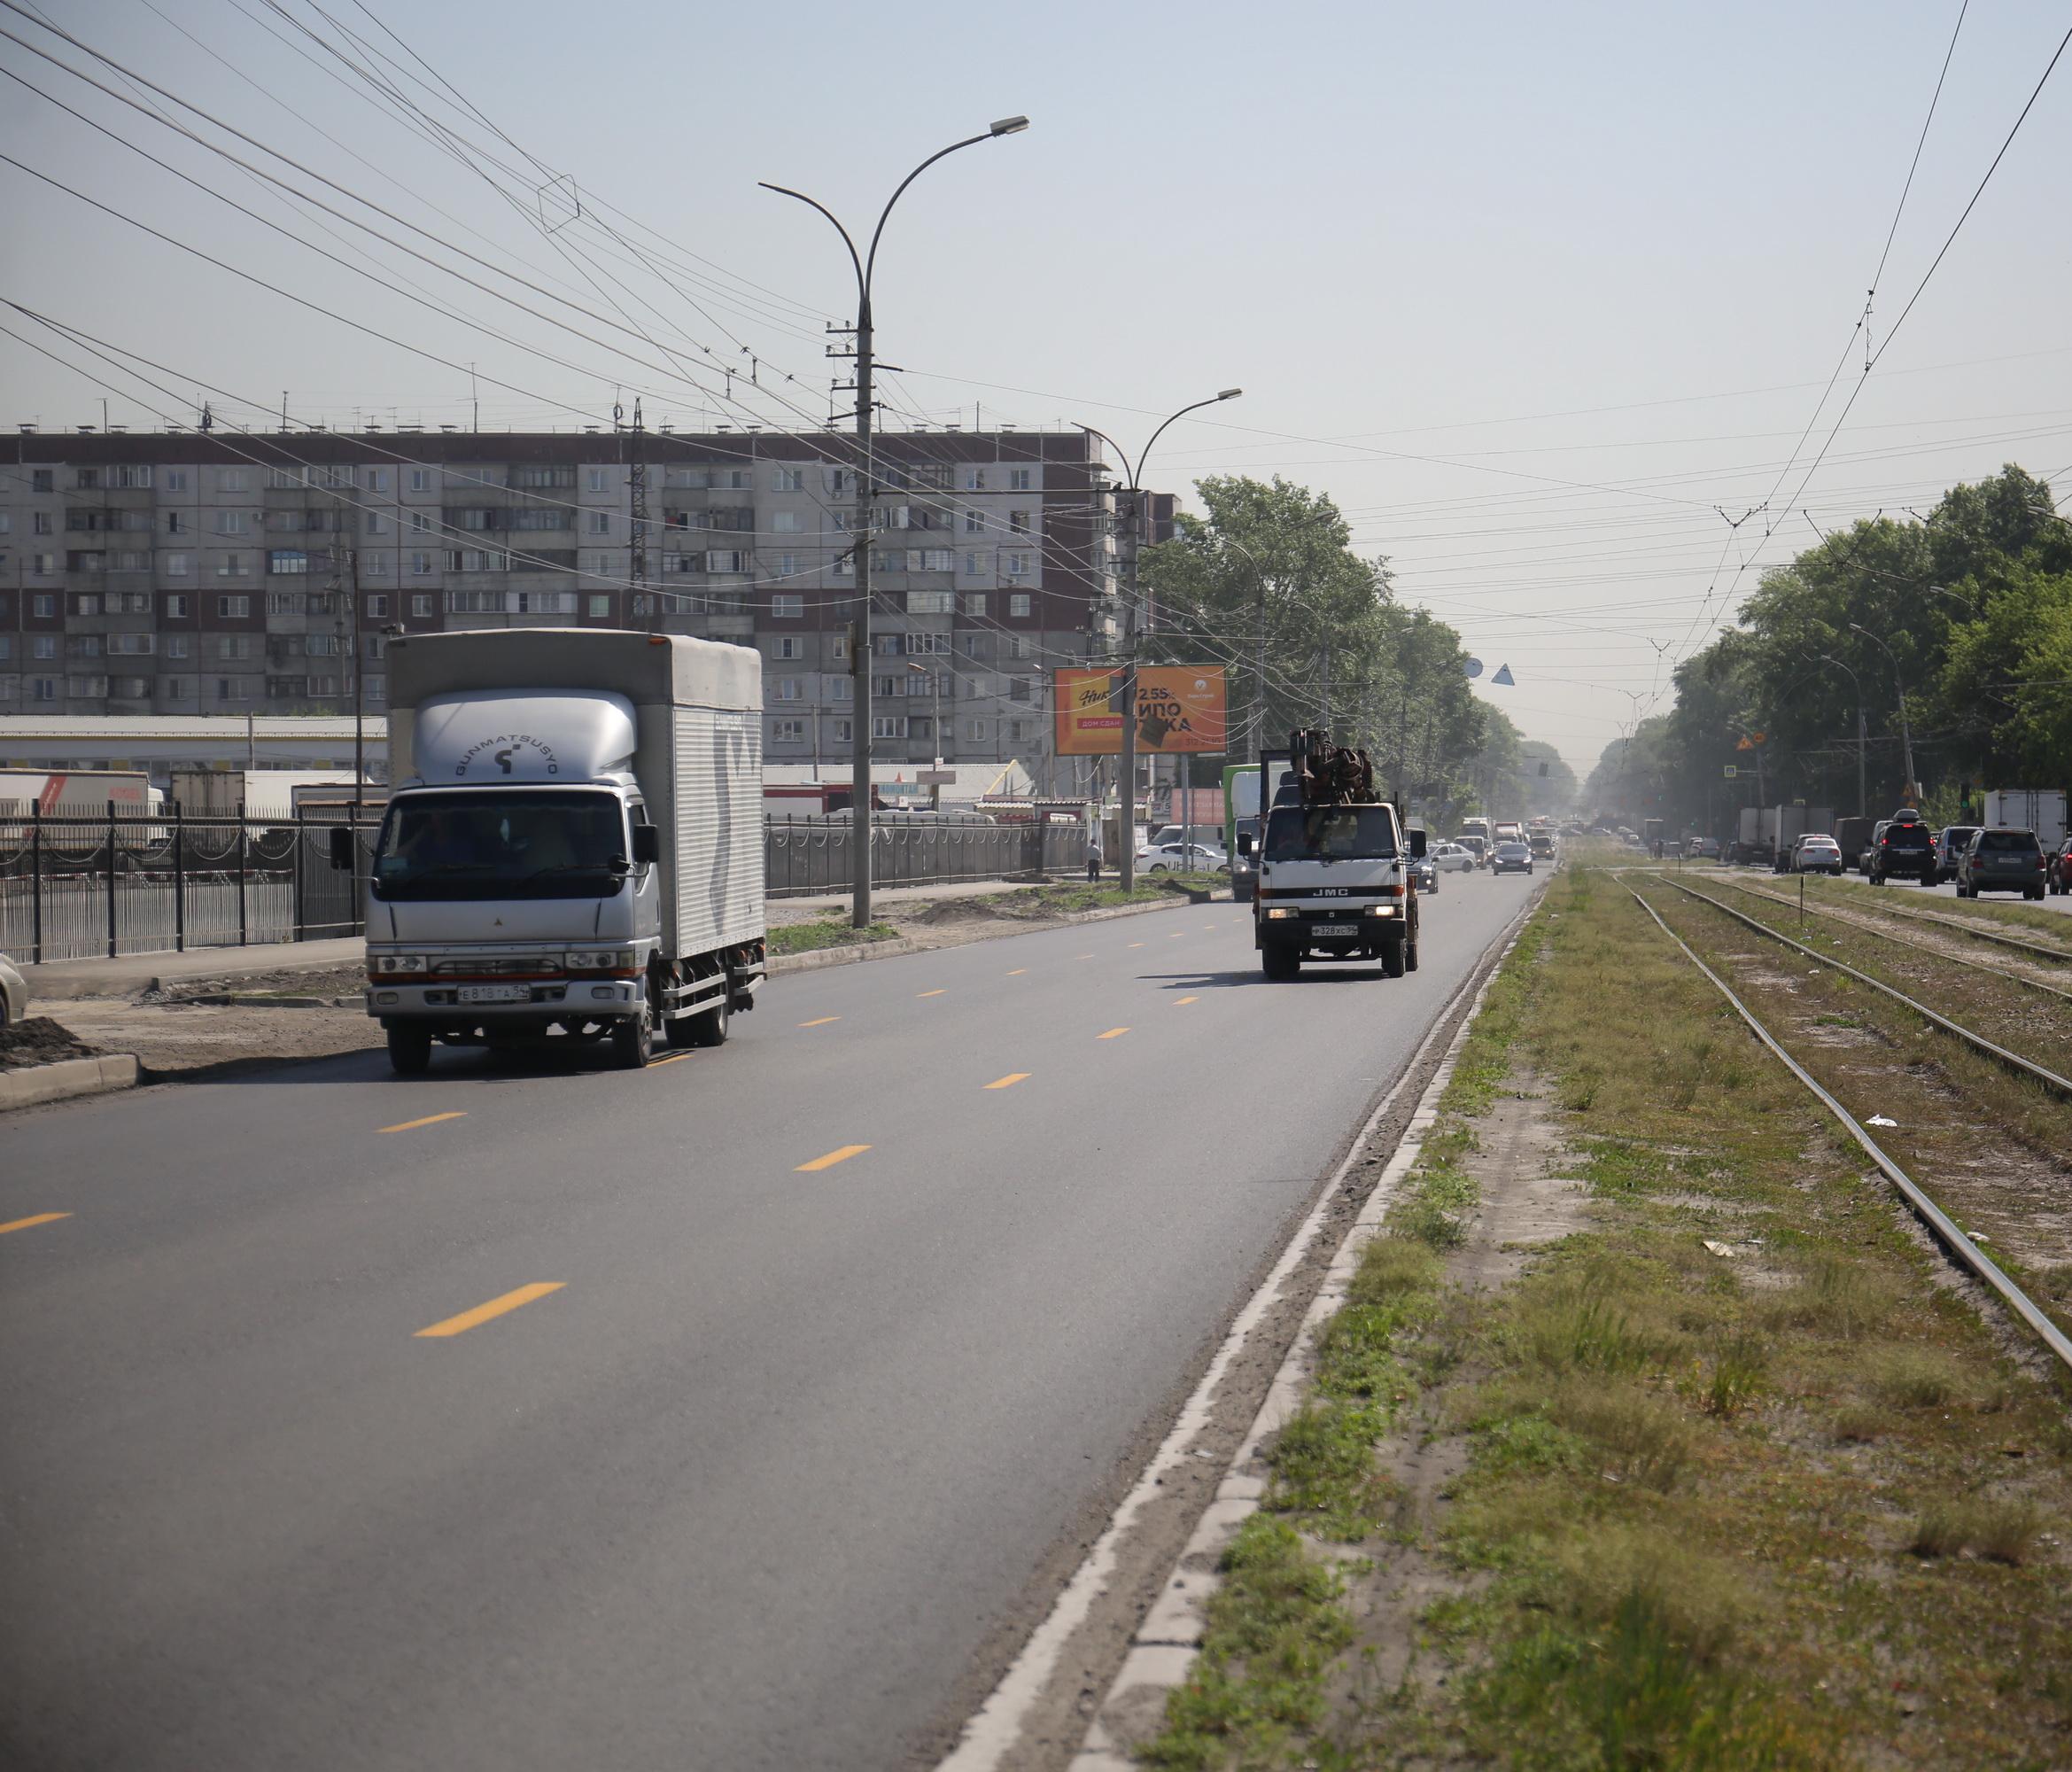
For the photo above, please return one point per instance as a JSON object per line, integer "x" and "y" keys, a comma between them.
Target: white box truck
{"x": 2041, "y": 810}
{"x": 573, "y": 841}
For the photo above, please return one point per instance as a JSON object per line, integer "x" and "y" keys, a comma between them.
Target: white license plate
{"x": 1334, "y": 930}
{"x": 495, "y": 993}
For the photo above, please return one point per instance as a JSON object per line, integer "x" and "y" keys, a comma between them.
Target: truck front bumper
{"x": 573, "y": 1000}
{"x": 1348, "y": 929}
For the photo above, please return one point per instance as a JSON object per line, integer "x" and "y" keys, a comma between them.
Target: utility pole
{"x": 358, "y": 686}
{"x": 866, "y": 265}
{"x": 1913, "y": 789}
{"x": 637, "y": 487}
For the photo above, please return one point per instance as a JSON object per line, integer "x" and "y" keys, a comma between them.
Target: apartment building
{"x": 262, "y": 572}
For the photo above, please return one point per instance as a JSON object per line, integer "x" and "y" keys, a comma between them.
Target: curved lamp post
{"x": 1912, "y": 790}
{"x": 859, "y": 652}
{"x": 1132, "y": 538}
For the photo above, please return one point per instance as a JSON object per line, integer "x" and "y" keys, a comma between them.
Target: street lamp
{"x": 1132, "y": 539}
{"x": 1862, "y": 810}
{"x": 1913, "y": 791}
{"x": 866, "y": 265}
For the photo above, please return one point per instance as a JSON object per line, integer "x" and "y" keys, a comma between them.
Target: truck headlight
{"x": 397, "y": 965}
{"x": 1381, "y": 910}
{"x": 1280, "y": 911}
{"x": 600, "y": 960}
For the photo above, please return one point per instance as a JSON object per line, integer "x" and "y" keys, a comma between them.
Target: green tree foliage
{"x": 1967, "y": 609}
{"x": 1273, "y": 563}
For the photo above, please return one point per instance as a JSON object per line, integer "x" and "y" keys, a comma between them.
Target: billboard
{"x": 1179, "y": 707}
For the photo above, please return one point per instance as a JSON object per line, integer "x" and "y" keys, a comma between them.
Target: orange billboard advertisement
{"x": 1179, "y": 707}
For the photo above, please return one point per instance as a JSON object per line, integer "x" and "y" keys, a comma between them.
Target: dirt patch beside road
{"x": 40, "y": 1040}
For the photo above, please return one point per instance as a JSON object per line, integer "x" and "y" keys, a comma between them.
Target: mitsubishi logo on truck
{"x": 511, "y": 745}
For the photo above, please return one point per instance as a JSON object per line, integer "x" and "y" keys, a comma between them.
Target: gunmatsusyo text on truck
{"x": 574, "y": 844}
{"x": 1334, "y": 864}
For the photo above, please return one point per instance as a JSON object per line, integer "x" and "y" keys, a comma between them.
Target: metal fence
{"x": 88, "y": 887}
{"x": 76, "y": 888}
{"x": 803, "y": 857}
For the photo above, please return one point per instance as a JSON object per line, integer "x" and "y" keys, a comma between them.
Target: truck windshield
{"x": 1331, "y": 834}
{"x": 500, "y": 844}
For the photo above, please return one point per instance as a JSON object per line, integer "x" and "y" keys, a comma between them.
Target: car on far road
{"x": 13, "y": 994}
{"x": 1182, "y": 857}
{"x": 1903, "y": 849}
{"x": 1814, "y": 853}
{"x": 1950, "y": 843}
{"x": 1477, "y": 848}
{"x": 2001, "y": 860}
{"x": 1425, "y": 871}
{"x": 2060, "y": 871}
{"x": 1454, "y": 858}
{"x": 1511, "y": 858}
{"x": 1703, "y": 849}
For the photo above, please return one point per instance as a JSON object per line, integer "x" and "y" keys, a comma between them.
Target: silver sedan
{"x": 13, "y": 994}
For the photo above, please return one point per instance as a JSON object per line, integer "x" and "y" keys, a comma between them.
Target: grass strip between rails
{"x": 1738, "y": 1479}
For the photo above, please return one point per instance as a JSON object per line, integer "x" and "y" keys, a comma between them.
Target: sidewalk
{"x": 66, "y": 981}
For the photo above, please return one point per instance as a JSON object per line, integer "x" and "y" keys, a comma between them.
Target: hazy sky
{"x": 1528, "y": 289}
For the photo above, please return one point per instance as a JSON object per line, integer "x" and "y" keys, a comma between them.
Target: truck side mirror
{"x": 1417, "y": 845}
{"x": 341, "y": 838}
{"x": 647, "y": 845}
{"x": 1244, "y": 842}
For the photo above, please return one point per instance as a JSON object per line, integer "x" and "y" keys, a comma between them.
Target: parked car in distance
{"x": 1454, "y": 858}
{"x": 1182, "y": 857}
{"x": 1950, "y": 843}
{"x": 13, "y": 994}
{"x": 2003, "y": 859}
{"x": 2060, "y": 871}
{"x": 1903, "y": 848}
{"x": 1703, "y": 849}
{"x": 1511, "y": 858}
{"x": 1814, "y": 853}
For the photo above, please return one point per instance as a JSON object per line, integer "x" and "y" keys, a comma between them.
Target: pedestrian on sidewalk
{"x": 1093, "y": 861}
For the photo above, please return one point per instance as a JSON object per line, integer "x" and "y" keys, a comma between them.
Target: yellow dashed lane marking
{"x": 496, "y": 1306}
{"x": 934, "y": 994}
{"x": 1113, "y": 1033}
{"x": 24, "y": 1224}
{"x": 1175, "y": 935}
{"x": 1010, "y": 1080}
{"x": 832, "y": 1158}
{"x": 674, "y": 1058}
{"x": 821, "y": 1022}
{"x": 428, "y": 1120}
{"x": 1181, "y": 1002}
{"x": 1135, "y": 944}
{"x": 1018, "y": 972}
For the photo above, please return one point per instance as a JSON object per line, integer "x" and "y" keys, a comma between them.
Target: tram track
{"x": 1977, "y": 931}
{"x": 1957, "y": 1245}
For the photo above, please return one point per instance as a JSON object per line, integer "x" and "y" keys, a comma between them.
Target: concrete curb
{"x": 67, "y": 1078}
{"x": 1161, "y": 1653}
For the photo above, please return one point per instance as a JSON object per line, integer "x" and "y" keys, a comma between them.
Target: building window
{"x": 789, "y": 645}
{"x": 787, "y": 606}
{"x": 1018, "y": 603}
{"x": 233, "y": 646}
{"x": 229, "y": 523}
{"x": 1017, "y": 689}
{"x": 377, "y": 524}
{"x": 132, "y": 645}
{"x": 974, "y": 480}
{"x": 175, "y": 522}
{"x": 420, "y": 479}
{"x": 44, "y": 646}
{"x": 974, "y": 523}
{"x": 178, "y": 565}
{"x": 177, "y": 608}
{"x": 1018, "y": 523}
{"x": 595, "y": 480}
{"x": 421, "y": 564}
{"x": 788, "y": 480}
{"x": 787, "y": 731}
{"x": 784, "y": 523}
{"x": 378, "y": 606}
{"x": 375, "y": 563}
{"x": 375, "y": 686}
{"x": 787, "y": 689}
{"x": 86, "y": 602}
{"x": 1018, "y": 646}
{"x": 975, "y": 731}
{"x": 974, "y": 603}
{"x": 233, "y": 609}
{"x": 601, "y": 606}
{"x": 42, "y": 688}
{"x": 843, "y": 730}
{"x": 1018, "y": 479}
{"x": 176, "y": 645}
{"x": 726, "y": 560}
{"x": 420, "y": 606}
{"x": 42, "y": 605}
{"x": 600, "y": 523}
{"x": 39, "y": 523}
{"x": 287, "y": 560}
{"x": 930, "y": 602}
{"x": 889, "y": 726}
{"x": 378, "y": 479}
{"x": 1017, "y": 565}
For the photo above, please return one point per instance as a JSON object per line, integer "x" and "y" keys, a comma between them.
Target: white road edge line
{"x": 995, "y": 1730}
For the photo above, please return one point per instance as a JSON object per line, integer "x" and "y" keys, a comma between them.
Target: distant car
{"x": 1703, "y": 849}
{"x": 1182, "y": 857}
{"x": 1425, "y": 871}
{"x": 1477, "y": 848}
{"x": 1541, "y": 843}
{"x": 1454, "y": 858}
{"x": 13, "y": 994}
{"x": 2060, "y": 871}
{"x": 1245, "y": 868}
{"x": 2001, "y": 860}
{"x": 1816, "y": 854}
{"x": 1903, "y": 849}
{"x": 1950, "y": 843}
{"x": 1511, "y": 858}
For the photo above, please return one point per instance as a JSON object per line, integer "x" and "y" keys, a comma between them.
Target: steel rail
{"x": 1960, "y": 1248}
{"x": 2049, "y": 1078}
{"x": 1981, "y": 934}
{"x": 1847, "y": 921}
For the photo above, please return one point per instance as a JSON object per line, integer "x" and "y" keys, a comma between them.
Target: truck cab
{"x": 1334, "y": 875}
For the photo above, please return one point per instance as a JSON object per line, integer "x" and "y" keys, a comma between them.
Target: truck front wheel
{"x": 1395, "y": 958}
{"x": 633, "y": 1039}
{"x": 409, "y": 1050}
{"x": 1280, "y": 962}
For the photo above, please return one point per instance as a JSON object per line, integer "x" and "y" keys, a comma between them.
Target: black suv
{"x": 1904, "y": 848}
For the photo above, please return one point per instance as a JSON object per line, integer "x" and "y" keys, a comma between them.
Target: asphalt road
{"x": 750, "y": 1484}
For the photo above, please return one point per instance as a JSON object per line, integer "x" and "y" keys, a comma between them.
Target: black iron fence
{"x": 78, "y": 887}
